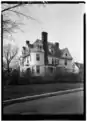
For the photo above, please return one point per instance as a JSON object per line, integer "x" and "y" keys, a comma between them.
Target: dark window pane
{"x": 37, "y": 57}
{"x": 38, "y": 69}
{"x": 65, "y": 62}
{"x": 66, "y": 54}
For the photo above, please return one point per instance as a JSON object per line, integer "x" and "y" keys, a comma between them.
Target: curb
{"x": 34, "y": 97}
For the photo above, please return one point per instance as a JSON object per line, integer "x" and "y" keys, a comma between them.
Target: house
{"x": 43, "y": 57}
{"x": 81, "y": 70}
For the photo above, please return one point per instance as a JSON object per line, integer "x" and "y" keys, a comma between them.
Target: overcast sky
{"x": 63, "y": 22}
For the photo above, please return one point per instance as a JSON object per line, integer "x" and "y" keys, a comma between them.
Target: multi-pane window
{"x": 38, "y": 69}
{"x": 37, "y": 57}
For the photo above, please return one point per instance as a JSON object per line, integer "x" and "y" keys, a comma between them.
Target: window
{"x": 66, "y": 54}
{"x": 55, "y": 61}
{"x": 40, "y": 47}
{"x": 38, "y": 69}
{"x": 37, "y": 57}
{"x": 32, "y": 69}
{"x": 52, "y": 61}
{"x": 51, "y": 69}
{"x": 58, "y": 61}
{"x": 27, "y": 60}
{"x": 65, "y": 62}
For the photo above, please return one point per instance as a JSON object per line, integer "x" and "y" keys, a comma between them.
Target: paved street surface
{"x": 71, "y": 103}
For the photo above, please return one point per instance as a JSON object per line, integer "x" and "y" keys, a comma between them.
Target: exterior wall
{"x": 69, "y": 63}
{"x": 50, "y": 59}
{"x": 42, "y": 71}
{"x": 71, "y": 66}
{"x": 66, "y": 51}
{"x": 32, "y": 59}
{"x": 33, "y": 63}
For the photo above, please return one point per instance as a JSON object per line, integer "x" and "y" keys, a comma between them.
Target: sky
{"x": 62, "y": 22}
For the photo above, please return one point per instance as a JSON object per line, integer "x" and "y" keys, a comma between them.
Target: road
{"x": 71, "y": 103}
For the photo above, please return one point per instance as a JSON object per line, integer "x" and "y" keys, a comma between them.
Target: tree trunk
{"x": 8, "y": 74}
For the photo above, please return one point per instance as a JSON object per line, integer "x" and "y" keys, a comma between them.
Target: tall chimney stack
{"x": 57, "y": 45}
{"x": 27, "y": 43}
{"x": 45, "y": 47}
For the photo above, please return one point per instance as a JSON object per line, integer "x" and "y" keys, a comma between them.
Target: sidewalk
{"x": 28, "y": 98}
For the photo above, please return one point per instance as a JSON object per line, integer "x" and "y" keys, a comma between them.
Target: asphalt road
{"x": 71, "y": 103}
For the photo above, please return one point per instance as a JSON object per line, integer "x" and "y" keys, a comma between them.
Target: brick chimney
{"x": 57, "y": 49}
{"x": 57, "y": 46}
{"x": 45, "y": 47}
{"x": 27, "y": 43}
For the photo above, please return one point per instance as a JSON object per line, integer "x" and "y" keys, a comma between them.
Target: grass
{"x": 12, "y": 92}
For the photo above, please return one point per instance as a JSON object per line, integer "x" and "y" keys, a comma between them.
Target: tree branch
{"x": 11, "y": 7}
{"x": 19, "y": 13}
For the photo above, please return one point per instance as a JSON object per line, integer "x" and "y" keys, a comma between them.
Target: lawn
{"x": 12, "y": 92}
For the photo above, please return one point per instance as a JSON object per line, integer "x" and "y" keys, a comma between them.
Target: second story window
{"x": 37, "y": 57}
{"x": 65, "y": 62}
{"x": 66, "y": 54}
{"x": 40, "y": 47}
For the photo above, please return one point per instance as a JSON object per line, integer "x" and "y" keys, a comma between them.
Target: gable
{"x": 66, "y": 53}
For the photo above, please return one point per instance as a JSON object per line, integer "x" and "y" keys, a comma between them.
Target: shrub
{"x": 68, "y": 77}
{"x": 14, "y": 78}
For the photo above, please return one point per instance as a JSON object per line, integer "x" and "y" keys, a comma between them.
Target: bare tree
{"x": 9, "y": 53}
{"x": 8, "y": 24}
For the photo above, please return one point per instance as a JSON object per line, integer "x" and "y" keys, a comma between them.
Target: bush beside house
{"x": 27, "y": 78}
